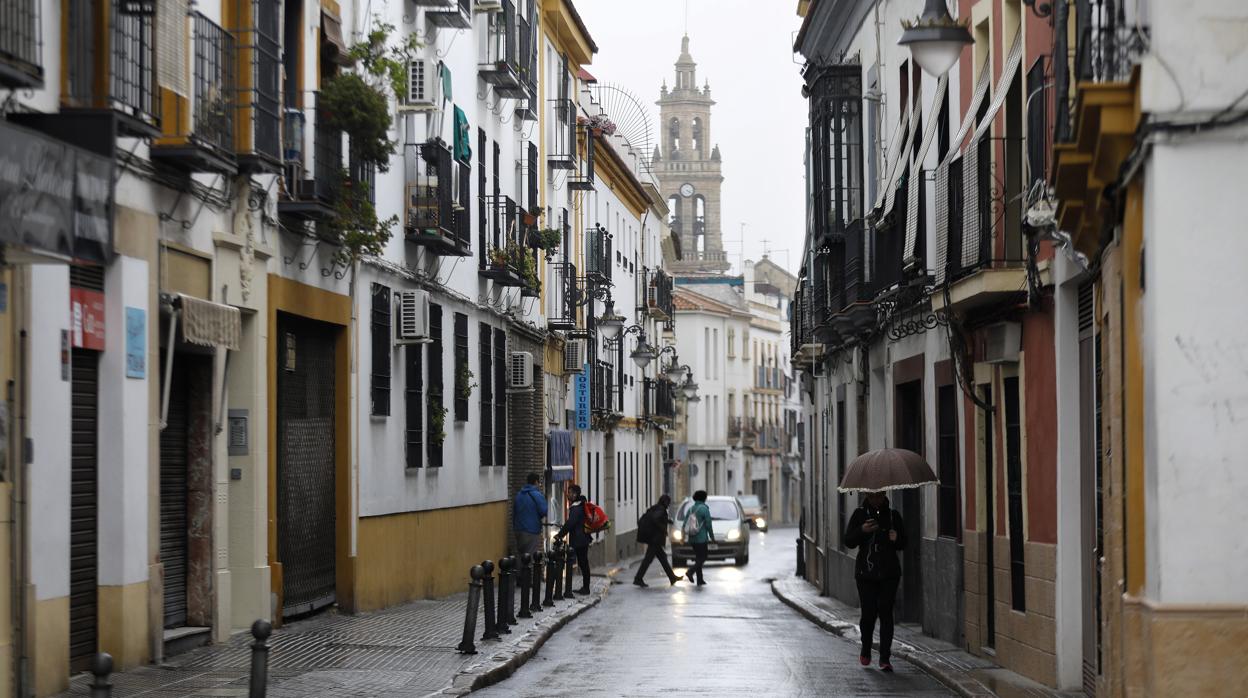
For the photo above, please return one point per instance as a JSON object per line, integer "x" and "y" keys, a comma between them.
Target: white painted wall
{"x": 49, "y": 431}
{"x": 123, "y": 429}
{"x": 1195, "y": 387}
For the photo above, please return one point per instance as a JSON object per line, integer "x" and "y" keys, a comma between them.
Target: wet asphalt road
{"x": 732, "y": 637}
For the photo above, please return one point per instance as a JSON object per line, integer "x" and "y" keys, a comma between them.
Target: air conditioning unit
{"x": 1001, "y": 342}
{"x": 574, "y": 356}
{"x": 422, "y": 85}
{"x": 520, "y": 371}
{"x": 413, "y": 324}
{"x": 455, "y": 175}
{"x": 488, "y": 5}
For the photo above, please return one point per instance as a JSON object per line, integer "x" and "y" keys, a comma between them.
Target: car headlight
{"x": 734, "y": 534}
{"x": 677, "y": 536}
{"x": 760, "y": 522}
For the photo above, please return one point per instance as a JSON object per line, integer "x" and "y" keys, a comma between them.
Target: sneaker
{"x": 583, "y": 591}
{"x": 885, "y": 665}
{"x": 864, "y": 659}
{"x": 640, "y": 583}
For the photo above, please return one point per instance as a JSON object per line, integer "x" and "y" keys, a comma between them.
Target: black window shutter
{"x": 380, "y": 376}
{"x": 463, "y": 376}
{"x": 485, "y": 343}
{"x": 500, "y": 397}
{"x": 436, "y": 423}
{"x": 415, "y": 399}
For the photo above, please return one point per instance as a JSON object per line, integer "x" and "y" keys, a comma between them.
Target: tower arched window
{"x": 673, "y": 136}
{"x": 697, "y": 136}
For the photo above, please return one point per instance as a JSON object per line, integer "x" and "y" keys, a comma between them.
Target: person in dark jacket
{"x": 877, "y": 531}
{"x": 652, "y": 530}
{"x": 574, "y": 528}
{"x": 527, "y": 514}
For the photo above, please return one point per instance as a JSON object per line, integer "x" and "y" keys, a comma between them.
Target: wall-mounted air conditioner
{"x": 520, "y": 371}
{"x": 413, "y": 324}
{"x": 422, "y": 85}
{"x": 574, "y": 356}
{"x": 1002, "y": 342}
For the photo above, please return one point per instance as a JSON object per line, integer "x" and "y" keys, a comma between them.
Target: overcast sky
{"x": 759, "y": 121}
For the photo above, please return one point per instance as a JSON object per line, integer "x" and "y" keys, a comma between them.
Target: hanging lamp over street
{"x": 611, "y": 323}
{"x": 935, "y": 38}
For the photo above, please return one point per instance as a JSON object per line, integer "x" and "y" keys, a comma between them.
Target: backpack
{"x": 692, "y": 525}
{"x": 595, "y": 518}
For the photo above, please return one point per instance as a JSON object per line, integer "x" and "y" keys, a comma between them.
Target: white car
{"x": 729, "y": 524}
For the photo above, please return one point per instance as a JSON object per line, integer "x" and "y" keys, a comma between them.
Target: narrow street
{"x": 732, "y": 637}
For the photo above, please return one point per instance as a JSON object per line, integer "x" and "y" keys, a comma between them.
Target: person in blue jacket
{"x": 527, "y": 514}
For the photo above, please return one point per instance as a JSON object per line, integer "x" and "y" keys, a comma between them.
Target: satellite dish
{"x": 632, "y": 118}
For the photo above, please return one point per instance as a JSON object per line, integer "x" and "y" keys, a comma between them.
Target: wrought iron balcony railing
{"x": 562, "y": 149}
{"x": 500, "y": 65}
{"x": 258, "y": 101}
{"x": 312, "y": 162}
{"x": 1107, "y": 47}
{"x": 582, "y": 179}
{"x": 598, "y": 261}
{"x": 20, "y": 64}
{"x": 456, "y": 14}
{"x": 564, "y": 297}
{"x": 199, "y": 134}
{"x": 658, "y": 294}
{"x": 432, "y": 214}
{"x": 113, "y": 66}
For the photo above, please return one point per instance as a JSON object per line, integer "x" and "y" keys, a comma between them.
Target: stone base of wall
{"x": 123, "y": 624}
{"x": 1185, "y": 650}
{"x": 425, "y": 554}
{"x": 50, "y": 628}
{"x": 942, "y": 597}
{"x": 1025, "y": 641}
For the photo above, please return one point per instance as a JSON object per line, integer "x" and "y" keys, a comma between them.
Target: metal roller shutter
{"x": 83, "y": 509}
{"x": 173, "y": 494}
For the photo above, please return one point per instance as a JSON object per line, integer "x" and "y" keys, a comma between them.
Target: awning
{"x": 210, "y": 324}
{"x": 331, "y": 28}
{"x": 559, "y": 454}
{"x": 1012, "y": 61}
{"x": 893, "y": 160}
{"x": 981, "y": 90}
{"x": 916, "y": 171}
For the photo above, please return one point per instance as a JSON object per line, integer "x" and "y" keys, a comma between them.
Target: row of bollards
{"x": 102, "y": 665}
{"x": 524, "y": 573}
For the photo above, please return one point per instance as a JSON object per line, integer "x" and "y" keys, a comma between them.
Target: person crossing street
{"x": 652, "y": 530}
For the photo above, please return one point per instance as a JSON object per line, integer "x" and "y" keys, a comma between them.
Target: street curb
{"x": 955, "y": 681}
{"x": 506, "y": 662}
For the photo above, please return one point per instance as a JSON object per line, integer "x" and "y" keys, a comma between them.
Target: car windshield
{"x": 749, "y": 501}
{"x": 721, "y": 509}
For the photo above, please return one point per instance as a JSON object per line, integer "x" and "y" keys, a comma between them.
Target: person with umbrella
{"x": 878, "y": 532}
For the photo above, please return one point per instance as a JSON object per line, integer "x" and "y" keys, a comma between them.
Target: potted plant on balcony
{"x": 437, "y": 418}
{"x": 464, "y": 383}
{"x": 498, "y": 258}
{"x": 527, "y": 267}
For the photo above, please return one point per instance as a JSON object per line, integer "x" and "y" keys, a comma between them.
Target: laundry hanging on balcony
{"x": 444, "y": 74}
{"x": 463, "y": 137}
{"x": 559, "y": 454}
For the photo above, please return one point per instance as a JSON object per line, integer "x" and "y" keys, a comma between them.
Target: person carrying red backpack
{"x": 578, "y": 537}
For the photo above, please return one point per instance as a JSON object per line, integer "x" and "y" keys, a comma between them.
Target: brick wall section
{"x": 526, "y": 426}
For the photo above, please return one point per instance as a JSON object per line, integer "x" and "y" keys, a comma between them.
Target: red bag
{"x": 595, "y": 518}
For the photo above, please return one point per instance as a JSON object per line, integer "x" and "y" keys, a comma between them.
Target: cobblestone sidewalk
{"x": 402, "y": 652}
{"x": 968, "y": 675}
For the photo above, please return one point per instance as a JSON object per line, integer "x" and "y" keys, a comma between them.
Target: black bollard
{"x": 560, "y": 553}
{"x": 801, "y": 558}
{"x": 535, "y": 604}
{"x": 552, "y": 573}
{"x": 491, "y": 627}
{"x": 101, "y": 667}
{"x": 261, "y": 629}
{"x": 466, "y": 645}
{"x": 526, "y": 578}
{"x": 569, "y": 565}
{"x": 505, "y": 597}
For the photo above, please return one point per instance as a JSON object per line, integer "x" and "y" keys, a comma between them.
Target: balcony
{"x": 431, "y": 215}
{"x": 1096, "y": 124}
{"x": 508, "y": 261}
{"x": 257, "y": 98}
{"x": 658, "y": 295}
{"x": 312, "y": 165}
{"x": 598, "y": 259}
{"x": 20, "y": 65}
{"x": 111, "y": 68}
{"x": 565, "y": 296}
{"x": 499, "y": 66}
{"x": 454, "y": 14}
{"x": 660, "y": 400}
{"x": 605, "y": 396}
{"x": 562, "y": 153}
{"x": 583, "y": 179}
{"x": 199, "y": 133}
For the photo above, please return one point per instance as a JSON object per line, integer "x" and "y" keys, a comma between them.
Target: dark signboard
{"x": 54, "y": 198}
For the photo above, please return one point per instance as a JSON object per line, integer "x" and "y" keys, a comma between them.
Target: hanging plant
{"x": 437, "y": 418}
{"x": 354, "y": 225}
{"x": 362, "y": 112}
{"x": 498, "y": 258}
{"x": 547, "y": 239}
{"x": 464, "y": 383}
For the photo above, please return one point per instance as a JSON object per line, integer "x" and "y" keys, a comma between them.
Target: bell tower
{"x": 689, "y": 169}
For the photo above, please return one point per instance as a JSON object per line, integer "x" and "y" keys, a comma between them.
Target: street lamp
{"x": 644, "y": 353}
{"x": 690, "y": 388}
{"x": 935, "y": 38}
{"x": 611, "y": 322}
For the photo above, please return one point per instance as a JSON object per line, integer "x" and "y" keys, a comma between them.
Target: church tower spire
{"x": 689, "y": 169}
